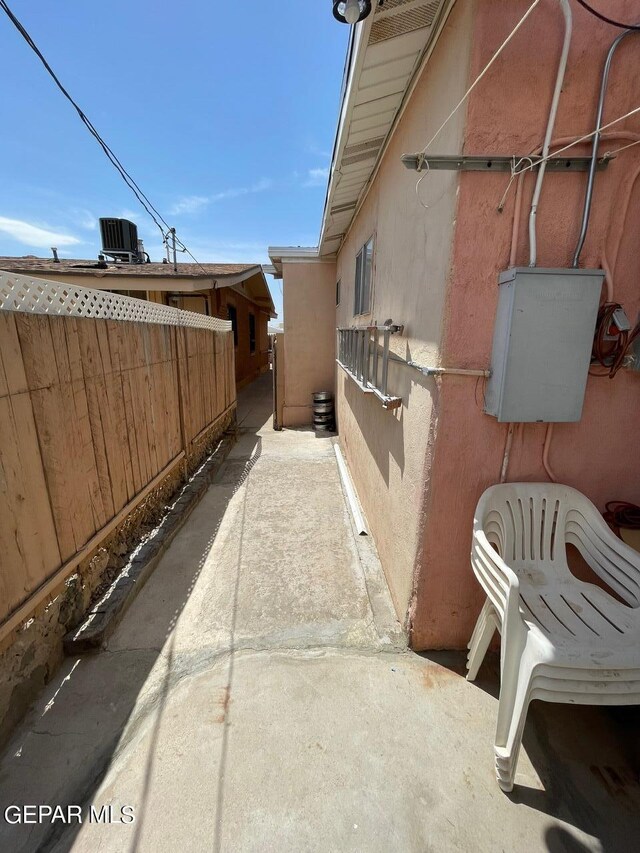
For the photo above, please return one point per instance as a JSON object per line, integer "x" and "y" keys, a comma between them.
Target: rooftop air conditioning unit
{"x": 120, "y": 239}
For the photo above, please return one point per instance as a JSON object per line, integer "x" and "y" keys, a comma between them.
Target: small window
{"x": 364, "y": 267}
{"x": 232, "y": 314}
{"x": 337, "y": 293}
{"x": 252, "y": 333}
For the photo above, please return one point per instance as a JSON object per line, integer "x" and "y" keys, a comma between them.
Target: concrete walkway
{"x": 257, "y": 697}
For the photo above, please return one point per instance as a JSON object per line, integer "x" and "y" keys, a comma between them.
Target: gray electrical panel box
{"x": 542, "y": 343}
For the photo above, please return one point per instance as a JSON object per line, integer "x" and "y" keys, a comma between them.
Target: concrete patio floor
{"x": 257, "y": 696}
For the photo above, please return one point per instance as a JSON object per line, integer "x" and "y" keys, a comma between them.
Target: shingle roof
{"x": 32, "y": 265}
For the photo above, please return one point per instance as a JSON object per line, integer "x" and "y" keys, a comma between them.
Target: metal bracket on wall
{"x": 498, "y": 163}
{"x": 359, "y": 357}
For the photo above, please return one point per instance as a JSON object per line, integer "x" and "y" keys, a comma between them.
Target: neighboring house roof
{"x": 385, "y": 56}
{"x": 248, "y": 279}
{"x": 30, "y": 264}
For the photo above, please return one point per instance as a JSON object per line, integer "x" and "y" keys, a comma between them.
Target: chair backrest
{"x": 531, "y": 523}
{"x": 525, "y": 521}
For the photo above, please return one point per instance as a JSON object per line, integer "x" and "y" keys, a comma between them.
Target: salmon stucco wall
{"x": 388, "y": 452}
{"x": 508, "y": 113}
{"x": 249, "y": 364}
{"x": 309, "y": 337}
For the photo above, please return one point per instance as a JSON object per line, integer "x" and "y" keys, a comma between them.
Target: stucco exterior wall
{"x": 279, "y": 368}
{"x": 309, "y": 337}
{"x": 598, "y": 455}
{"x": 248, "y": 365}
{"x": 389, "y": 452}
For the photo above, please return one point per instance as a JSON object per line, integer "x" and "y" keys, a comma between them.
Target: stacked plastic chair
{"x": 562, "y": 639}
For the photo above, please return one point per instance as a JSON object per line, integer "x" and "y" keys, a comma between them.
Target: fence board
{"x": 13, "y": 379}
{"x": 91, "y": 411}
{"x": 27, "y": 534}
{"x": 132, "y": 437}
{"x": 86, "y": 469}
{"x": 97, "y": 407}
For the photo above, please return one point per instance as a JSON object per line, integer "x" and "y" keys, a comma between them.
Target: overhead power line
{"x": 607, "y": 20}
{"x": 141, "y": 196}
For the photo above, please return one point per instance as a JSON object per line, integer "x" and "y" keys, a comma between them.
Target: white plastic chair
{"x": 562, "y": 640}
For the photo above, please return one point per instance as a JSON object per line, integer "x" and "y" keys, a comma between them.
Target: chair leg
{"x": 479, "y": 624}
{"x": 480, "y": 639}
{"x": 512, "y": 716}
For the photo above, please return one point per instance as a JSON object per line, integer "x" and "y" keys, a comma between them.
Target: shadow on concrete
{"x": 61, "y": 752}
{"x": 586, "y": 757}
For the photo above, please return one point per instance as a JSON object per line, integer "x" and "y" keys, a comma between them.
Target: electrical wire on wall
{"x": 142, "y": 198}
{"x": 604, "y": 18}
{"x": 609, "y": 349}
{"x": 612, "y": 341}
{"x": 539, "y": 160}
{"x": 467, "y": 94}
{"x": 546, "y": 145}
{"x": 622, "y": 514}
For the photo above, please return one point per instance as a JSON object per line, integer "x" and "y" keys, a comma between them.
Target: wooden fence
{"x": 94, "y": 413}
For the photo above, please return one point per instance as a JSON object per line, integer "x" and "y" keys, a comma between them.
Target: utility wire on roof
{"x": 113, "y": 159}
{"x": 607, "y": 20}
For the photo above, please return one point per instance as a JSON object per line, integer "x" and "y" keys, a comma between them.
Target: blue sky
{"x": 224, "y": 113}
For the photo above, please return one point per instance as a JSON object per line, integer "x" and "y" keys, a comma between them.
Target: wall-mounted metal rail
{"x": 362, "y": 358}
{"x": 495, "y": 163}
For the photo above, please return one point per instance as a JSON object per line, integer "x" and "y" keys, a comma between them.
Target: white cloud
{"x": 318, "y": 151}
{"x": 189, "y": 204}
{"x": 195, "y": 203}
{"x": 85, "y": 219}
{"x": 262, "y": 185}
{"x": 35, "y": 235}
{"x": 316, "y": 177}
{"x": 129, "y": 214}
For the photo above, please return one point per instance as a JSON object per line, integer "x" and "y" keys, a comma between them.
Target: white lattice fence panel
{"x": 38, "y": 296}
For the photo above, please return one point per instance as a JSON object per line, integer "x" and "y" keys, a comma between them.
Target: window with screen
{"x": 252, "y": 333}
{"x": 364, "y": 269}
{"x": 232, "y": 315}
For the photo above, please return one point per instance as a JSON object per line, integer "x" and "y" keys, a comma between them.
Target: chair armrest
{"x": 507, "y": 576}
{"x": 610, "y": 557}
{"x": 498, "y": 579}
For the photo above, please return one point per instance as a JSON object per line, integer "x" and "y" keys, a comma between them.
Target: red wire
{"x": 622, "y": 514}
{"x": 611, "y": 354}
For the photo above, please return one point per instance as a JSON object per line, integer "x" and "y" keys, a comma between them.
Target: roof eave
{"x": 353, "y": 66}
{"x": 331, "y": 244}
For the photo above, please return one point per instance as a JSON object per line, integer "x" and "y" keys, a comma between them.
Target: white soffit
{"x": 386, "y": 51}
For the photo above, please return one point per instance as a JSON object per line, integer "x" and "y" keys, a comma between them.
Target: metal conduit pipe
{"x": 440, "y": 371}
{"x": 604, "y": 84}
{"x": 507, "y": 453}
{"x": 568, "y": 21}
{"x": 545, "y": 454}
